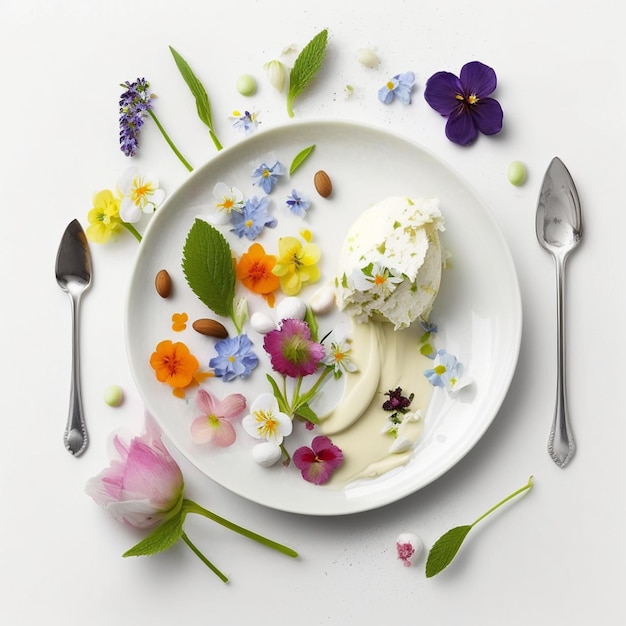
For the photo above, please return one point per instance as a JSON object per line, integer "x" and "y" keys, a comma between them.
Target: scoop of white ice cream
{"x": 390, "y": 262}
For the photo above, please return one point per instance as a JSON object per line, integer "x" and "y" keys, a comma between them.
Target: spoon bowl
{"x": 559, "y": 230}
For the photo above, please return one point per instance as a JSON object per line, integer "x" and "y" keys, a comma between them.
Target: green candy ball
{"x": 246, "y": 85}
{"x": 516, "y": 173}
{"x": 114, "y": 395}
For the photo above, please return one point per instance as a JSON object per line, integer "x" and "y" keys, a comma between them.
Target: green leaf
{"x": 305, "y": 412}
{"x": 300, "y": 158}
{"x": 306, "y": 67}
{"x": 161, "y": 538}
{"x": 208, "y": 267}
{"x": 311, "y": 320}
{"x": 445, "y": 549}
{"x": 282, "y": 401}
{"x": 198, "y": 91}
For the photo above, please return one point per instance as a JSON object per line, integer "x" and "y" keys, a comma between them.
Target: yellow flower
{"x": 296, "y": 265}
{"x": 104, "y": 217}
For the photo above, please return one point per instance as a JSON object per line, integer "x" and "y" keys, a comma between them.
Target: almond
{"x": 210, "y": 328}
{"x": 163, "y": 284}
{"x": 322, "y": 183}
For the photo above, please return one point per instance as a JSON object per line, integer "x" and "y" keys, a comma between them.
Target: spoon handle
{"x": 561, "y": 445}
{"x": 75, "y": 436}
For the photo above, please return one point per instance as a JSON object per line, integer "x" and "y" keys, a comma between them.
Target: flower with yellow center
{"x": 104, "y": 217}
{"x": 266, "y": 421}
{"x": 141, "y": 194}
{"x": 296, "y": 265}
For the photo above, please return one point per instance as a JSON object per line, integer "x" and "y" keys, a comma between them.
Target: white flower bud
{"x": 367, "y": 57}
{"x": 276, "y": 74}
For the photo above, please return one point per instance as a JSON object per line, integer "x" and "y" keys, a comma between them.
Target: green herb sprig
{"x": 199, "y": 93}
{"x": 446, "y": 547}
{"x": 300, "y": 158}
{"x": 168, "y": 533}
{"x": 209, "y": 269}
{"x": 306, "y": 67}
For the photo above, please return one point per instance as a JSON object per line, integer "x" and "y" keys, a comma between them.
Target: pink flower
{"x": 213, "y": 424}
{"x": 291, "y": 349}
{"x": 142, "y": 488}
{"x": 318, "y": 462}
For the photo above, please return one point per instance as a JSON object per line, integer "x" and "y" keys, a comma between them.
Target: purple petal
{"x": 487, "y": 114}
{"x": 460, "y": 128}
{"x": 478, "y": 79}
{"x": 441, "y": 91}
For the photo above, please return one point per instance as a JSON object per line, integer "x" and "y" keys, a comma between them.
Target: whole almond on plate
{"x": 163, "y": 283}
{"x": 210, "y": 328}
{"x": 322, "y": 183}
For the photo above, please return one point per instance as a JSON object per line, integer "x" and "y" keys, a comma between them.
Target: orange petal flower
{"x": 174, "y": 364}
{"x": 179, "y": 321}
{"x": 254, "y": 270}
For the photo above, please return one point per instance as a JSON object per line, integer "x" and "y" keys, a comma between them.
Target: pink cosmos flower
{"x": 142, "y": 488}
{"x": 291, "y": 349}
{"x": 213, "y": 424}
{"x": 318, "y": 462}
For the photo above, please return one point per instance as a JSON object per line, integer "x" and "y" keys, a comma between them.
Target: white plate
{"x": 478, "y": 310}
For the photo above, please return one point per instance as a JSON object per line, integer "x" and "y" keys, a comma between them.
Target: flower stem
{"x": 169, "y": 141}
{"x": 201, "y": 556}
{"x": 216, "y": 141}
{"x": 527, "y": 486}
{"x": 131, "y": 229}
{"x": 193, "y": 507}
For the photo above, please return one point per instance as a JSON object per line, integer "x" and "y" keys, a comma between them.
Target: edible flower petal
{"x": 266, "y": 421}
{"x": 465, "y": 102}
{"x": 291, "y": 349}
{"x": 296, "y": 265}
{"x": 229, "y": 200}
{"x": 408, "y": 547}
{"x": 254, "y": 270}
{"x": 235, "y": 358}
{"x": 141, "y": 194}
{"x": 174, "y": 364}
{"x": 247, "y": 121}
{"x": 297, "y": 203}
{"x": 135, "y": 103}
{"x": 447, "y": 372}
{"x": 266, "y": 177}
{"x": 318, "y": 462}
{"x": 400, "y": 87}
{"x": 253, "y": 218}
{"x": 214, "y": 423}
{"x": 104, "y": 217}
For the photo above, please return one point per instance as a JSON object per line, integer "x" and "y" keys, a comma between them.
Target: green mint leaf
{"x": 208, "y": 267}
{"x": 306, "y": 67}
{"x": 161, "y": 538}
{"x": 445, "y": 549}
{"x": 300, "y": 158}
{"x": 305, "y": 412}
{"x": 199, "y": 93}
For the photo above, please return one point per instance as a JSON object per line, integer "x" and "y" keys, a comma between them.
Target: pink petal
{"x": 201, "y": 430}
{"x": 225, "y": 435}
{"x": 206, "y": 402}
{"x": 231, "y": 406}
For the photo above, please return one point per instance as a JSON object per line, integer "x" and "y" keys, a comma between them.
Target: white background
{"x": 554, "y": 556}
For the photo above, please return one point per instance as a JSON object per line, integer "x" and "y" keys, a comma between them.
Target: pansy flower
{"x": 253, "y": 218}
{"x": 214, "y": 424}
{"x": 104, "y": 217}
{"x": 228, "y": 200}
{"x": 254, "y": 270}
{"x": 266, "y": 177}
{"x": 141, "y": 194}
{"x": 447, "y": 372}
{"x": 292, "y": 350}
{"x": 465, "y": 102}
{"x": 234, "y": 358}
{"x": 266, "y": 421}
{"x": 173, "y": 364}
{"x": 297, "y": 203}
{"x": 400, "y": 87}
{"x": 296, "y": 265}
{"x": 318, "y": 462}
{"x": 247, "y": 121}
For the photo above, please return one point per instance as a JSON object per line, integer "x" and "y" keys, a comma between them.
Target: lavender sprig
{"x": 135, "y": 105}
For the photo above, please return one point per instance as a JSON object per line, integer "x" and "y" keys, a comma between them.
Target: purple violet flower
{"x": 465, "y": 102}
{"x": 134, "y": 106}
{"x": 266, "y": 177}
{"x": 318, "y": 462}
{"x": 297, "y": 203}
{"x": 253, "y": 218}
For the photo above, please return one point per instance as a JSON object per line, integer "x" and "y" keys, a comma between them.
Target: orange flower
{"x": 179, "y": 321}
{"x": 254, "y": 270}
{"x": 174, "y": 364}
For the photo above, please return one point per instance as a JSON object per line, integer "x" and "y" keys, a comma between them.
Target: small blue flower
{"x": 266, "y": 176}
{"x": 428, "y": 327}
{"x": 234, "y": 358}
{"x": 447, "y": 373}
{"x": 297, "y": 203}
{"x": 253, "y": 218}
{"x": 248, "y": 122}
{"x": 400, "y": 86}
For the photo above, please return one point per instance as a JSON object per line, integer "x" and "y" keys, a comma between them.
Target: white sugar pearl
{"x": 266, "y": 454}
{"x": 322, "y": 301}
{"x": 367, "y": 57}
{"x": 409, "y": 547}
{"x": 291, "y": 308}
{"x": 262, "y": 323}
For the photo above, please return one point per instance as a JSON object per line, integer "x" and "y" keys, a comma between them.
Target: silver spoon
{"x": 73, "y": 273}
{"x": 559, "y": 230}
